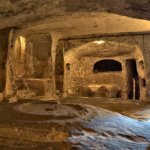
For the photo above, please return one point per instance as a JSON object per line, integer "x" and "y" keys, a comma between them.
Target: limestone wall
{"x": 29, "y": 67}
{"x": 41, "y": 65}
{"x": 80, "y": 79}
{"x": 81, "y": 69}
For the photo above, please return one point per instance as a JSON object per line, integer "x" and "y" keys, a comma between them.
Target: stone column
{"x": 125, "y": 78}
{"x": 9, "y": 87}
{"x": 50, "y": 87}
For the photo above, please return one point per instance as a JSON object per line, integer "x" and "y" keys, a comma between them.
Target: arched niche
{"x": 18, "y": 56}
{"x": 107, "y": 65}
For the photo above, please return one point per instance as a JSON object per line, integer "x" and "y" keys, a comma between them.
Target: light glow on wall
{"x": 99, "y": 42}
{"x": 23, "y": 47}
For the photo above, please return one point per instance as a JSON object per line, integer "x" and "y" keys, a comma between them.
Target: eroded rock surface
{"x": 89, "y": 128}
{"x": 20, "y": 12}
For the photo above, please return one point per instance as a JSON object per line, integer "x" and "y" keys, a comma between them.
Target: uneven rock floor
{"x": 34, "y": 125}
{"x": 136, "y": 109}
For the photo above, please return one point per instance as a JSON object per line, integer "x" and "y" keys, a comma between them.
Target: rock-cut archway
{"x": 82, "y": 80}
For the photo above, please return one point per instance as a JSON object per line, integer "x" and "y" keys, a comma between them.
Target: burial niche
{"x": 107, "y": 66}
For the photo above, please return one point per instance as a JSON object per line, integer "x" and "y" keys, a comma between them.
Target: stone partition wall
{"x": 29, "y": 66}
{"x": 38, "y": 65}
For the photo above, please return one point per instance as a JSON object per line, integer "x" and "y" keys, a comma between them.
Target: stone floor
{"x": 101, "y": 125}
{"x": 136, "y": 109}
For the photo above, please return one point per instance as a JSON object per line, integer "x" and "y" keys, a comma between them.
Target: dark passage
{"x": 59, "y": 69}
{"x": 4, "y": 35}
{"x": 132, "y": 79}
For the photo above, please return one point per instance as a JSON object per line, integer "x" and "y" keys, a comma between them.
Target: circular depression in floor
{"x": 89, "y": 127}
{"x": 56, "y": 111}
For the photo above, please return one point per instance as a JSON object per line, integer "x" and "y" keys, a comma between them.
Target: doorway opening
{"x": 59, "y": 71}
{"x": 133, "y": 91}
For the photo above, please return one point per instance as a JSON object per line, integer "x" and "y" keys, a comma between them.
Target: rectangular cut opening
{"x": 132, "y": 79}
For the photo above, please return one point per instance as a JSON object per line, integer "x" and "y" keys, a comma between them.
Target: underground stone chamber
{"x": 43, "y": 66}
{"x": 74, "y": 75}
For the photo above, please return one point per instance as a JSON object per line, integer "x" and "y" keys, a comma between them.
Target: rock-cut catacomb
{"x": 105, "y": 69}
{"x": 92, "y": 69}
{"x": 59, "y": 57}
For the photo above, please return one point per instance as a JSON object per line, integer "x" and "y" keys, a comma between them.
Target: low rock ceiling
{"x": 100, "y": 49}
{"x": 85, "y": 24}
{"x": 68, "y": 14}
